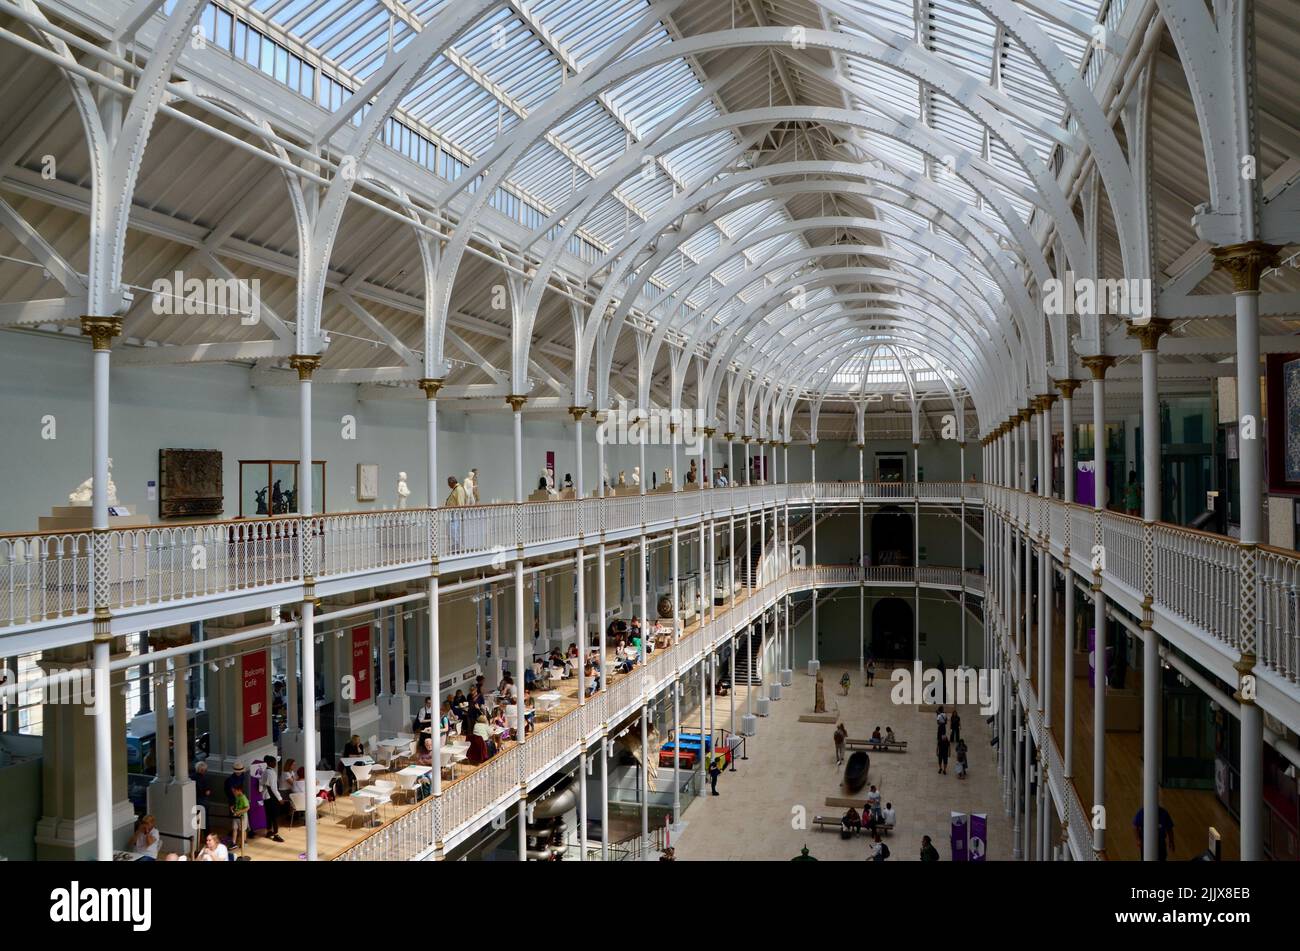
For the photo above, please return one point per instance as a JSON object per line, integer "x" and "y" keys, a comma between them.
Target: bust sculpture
{"x": 403, "y": 491}
{"x": 84, "y": 494}
{"x": 622, "y": 479}
{"x": 636, "y": 475}
{"x": 668, "y": 475}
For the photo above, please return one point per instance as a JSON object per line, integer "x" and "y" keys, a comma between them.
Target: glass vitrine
{"x": 270, "y": 487}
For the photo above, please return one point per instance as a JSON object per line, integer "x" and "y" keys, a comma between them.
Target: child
{"x": 844, "y": 683}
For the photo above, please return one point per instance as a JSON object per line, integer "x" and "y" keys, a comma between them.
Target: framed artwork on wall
{"x": 189, "y": 483}
{"x": 1282, "y": 387}
{"x": 367, "y": 481}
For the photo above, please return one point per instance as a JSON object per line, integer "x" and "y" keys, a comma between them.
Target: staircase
{"x": 749, "y": 664}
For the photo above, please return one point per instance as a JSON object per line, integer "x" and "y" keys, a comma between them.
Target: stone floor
{"x": 792, "y": 764}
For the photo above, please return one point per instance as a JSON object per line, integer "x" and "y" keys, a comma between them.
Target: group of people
{"x": 877, "y": 740}
{"x": 949, "y": 742}
{"x": 265, "y": 791}
{"x": 869, "y": 676}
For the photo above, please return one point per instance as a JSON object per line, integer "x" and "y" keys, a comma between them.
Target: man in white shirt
{"x": 887, "y": 814}
{"x": 271, "y": 799}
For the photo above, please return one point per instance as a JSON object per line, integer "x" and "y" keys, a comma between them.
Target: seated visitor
{"x": 482, "y": 729}
{"x": 426, "y": 753}
{"x": 887, "y": 814}
{"x": 146, "y": 839}
{"x": 354, "y": 746}
{"x": 213, "y": 851}
{"x": 876, "y": 738}
{"x": 573, "y": 651}
{"x": 889, "y": 735}
{"x": 852, "y": 821}
{"x": 499, "y": 720}
{"x": 445, "y": 720}
{"x": 530, "y": 714}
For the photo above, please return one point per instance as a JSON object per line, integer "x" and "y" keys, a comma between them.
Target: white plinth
{"x": 774, "y": 691}
{"x": 787, "y": 677}
{"x": 813, "y": 667}
{"x": 749, "y": 724}
{"x": 762, "y": 707}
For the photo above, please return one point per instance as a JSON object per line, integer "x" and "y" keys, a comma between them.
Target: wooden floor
{"x": 1193, "y": 811}
{"x": 338, "y": 829}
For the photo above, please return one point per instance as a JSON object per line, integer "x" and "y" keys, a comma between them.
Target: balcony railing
{"x": 48, "y": 577}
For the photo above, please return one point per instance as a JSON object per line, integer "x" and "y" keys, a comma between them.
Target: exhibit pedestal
{"x": 77, "y": 518}
{"x": 813, "y": 667}
{"x": 774, "y": 691}
{"x": 787, "y": 677}
{"x": 762, "y": 707}
{"x": 749, "y": 724}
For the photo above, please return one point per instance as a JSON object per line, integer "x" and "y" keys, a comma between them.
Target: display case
{"x": 270, "y": 487}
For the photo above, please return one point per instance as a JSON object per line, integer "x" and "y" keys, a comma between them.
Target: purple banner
{"x": 959, "y": 832}
{"x": 1085, "y": 484}
{"x": 979, "y": 830}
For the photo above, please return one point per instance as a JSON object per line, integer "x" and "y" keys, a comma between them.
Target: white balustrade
{"x": 1278, "y": 593}
{"x": 1121, "y": 541}
{"x": 43, "y": 577}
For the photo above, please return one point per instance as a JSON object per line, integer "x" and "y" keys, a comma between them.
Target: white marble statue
{"x": 403, "y": 490}
{"x": 622, "y": 478}
{"x": 668, "y": 475}
{"x": 551, "y": 490}
{"x": 84, "y": 494}
{"x": 471, "y": 487}
{"x": 636, "y": 475}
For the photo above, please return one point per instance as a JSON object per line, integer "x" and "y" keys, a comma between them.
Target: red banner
{"x": 255, "y": 681}
{"x": 361, "y": 665}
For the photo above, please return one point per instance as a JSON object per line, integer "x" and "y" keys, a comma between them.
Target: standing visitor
{"x": 928, "y": 852}
{"x": 943, "y": 753}
{"x": 841, "y": 735}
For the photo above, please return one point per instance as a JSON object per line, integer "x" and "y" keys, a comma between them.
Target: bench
{"x": 836, "y": 822}
{"x": 898, "y": 746}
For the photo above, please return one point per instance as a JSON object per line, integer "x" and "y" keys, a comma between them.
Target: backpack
{"x": 884, "y": 851}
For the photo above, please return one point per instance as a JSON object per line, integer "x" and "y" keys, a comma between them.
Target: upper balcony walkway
{"x": 153, "y": 576}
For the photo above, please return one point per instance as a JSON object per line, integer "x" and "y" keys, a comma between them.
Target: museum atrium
{"x": 601, "y": 406}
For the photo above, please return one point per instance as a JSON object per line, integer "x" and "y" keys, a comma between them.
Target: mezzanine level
{"x": 1198, "y": 585}
{"x": 147, "y": 577}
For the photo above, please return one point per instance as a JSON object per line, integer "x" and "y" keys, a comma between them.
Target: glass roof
{"x": 522, "y": 54}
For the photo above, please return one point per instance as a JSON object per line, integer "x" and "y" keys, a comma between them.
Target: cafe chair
{"x": 298, "y": 804}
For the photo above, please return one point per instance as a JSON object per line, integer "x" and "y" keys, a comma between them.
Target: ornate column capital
{"x": 729, "y": 437}
{"x": 1025, "y": 414}
{"x": 516, "y": 401}
{"x": 1043, "y": 402}
{"x": 860, "y": 445}
{"x": 1246, "y": 262}
{"x": 746, "y": 439}
{"x": 1067, "y": 388}
{"x": 577, "y": 412}
{"x": 305, "y": 363}
{"x": 101, "y": 330}
{"x": 1098, "y": 364}
{"x": 431, "y": 386}
{"x": 709, "y": 432}
{"x": 1149, "y": 334}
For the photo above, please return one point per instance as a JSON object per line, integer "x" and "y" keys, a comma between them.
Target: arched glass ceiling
{"x": 522, "y": 55}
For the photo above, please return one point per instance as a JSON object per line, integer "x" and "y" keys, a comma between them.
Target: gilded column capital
{"x": 516, "y": 401}
{"x": 577, "y": 412}
{"x": 1098, "y": 364}
{"x": 305, "y": 363}
{"x": 101, "y": 330}
{"x": 1246, "y": 262}
{"x": 1068, "y": 387}
{"x": 1149, "y": 334}
{"x": 431, "y": 386}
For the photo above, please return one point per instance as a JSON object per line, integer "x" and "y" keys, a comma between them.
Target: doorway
{"x": 892, "y": 630}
